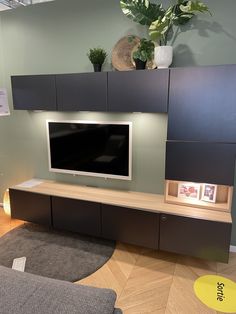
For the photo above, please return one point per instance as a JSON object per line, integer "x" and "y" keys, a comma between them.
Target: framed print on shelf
{"x": 189, "y": 190}
{"x": 209, "y": 193}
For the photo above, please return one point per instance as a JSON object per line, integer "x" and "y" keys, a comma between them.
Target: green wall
{"x": 54, "y": 38}
{"x": 1, "y": 54}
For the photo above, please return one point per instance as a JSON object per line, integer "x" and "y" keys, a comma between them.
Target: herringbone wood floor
{"x": 148, "y": 281}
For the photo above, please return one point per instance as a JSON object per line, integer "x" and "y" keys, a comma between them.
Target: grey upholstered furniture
{"x": 24, "y": 293}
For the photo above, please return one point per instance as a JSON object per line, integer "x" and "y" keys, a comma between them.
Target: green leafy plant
{"x": 97, "y": 55}
{"x": 159, "y": 20}
{"x": 145, "y": 49}
{"x": 142, "y": 11}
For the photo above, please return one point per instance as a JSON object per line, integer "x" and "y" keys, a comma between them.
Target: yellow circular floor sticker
{"x": 217, "y": 292}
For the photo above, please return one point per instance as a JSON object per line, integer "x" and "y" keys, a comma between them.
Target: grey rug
{"x": 54, "y": 254}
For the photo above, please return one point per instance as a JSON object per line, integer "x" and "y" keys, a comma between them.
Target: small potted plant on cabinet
{"x": 97, "y": 57}
{"x": 143, "y": 53}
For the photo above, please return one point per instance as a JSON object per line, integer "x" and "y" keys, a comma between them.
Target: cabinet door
{"x": 76, "y": 215}
{"x": 84, "y": 91}
{"x": 138, "y": 91}
{"x": 130, "y": 226}
{"x": 195, "y": 237}
{"x": 30, "y": 207}
{"x": 202, "y": 104}
{"x": 34, "y": 92}
{"x": 200, "y": 162}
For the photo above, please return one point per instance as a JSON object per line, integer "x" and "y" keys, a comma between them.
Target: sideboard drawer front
{"x": 76, "y": 215}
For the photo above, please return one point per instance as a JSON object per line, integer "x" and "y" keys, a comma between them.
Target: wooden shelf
{"x": 137, "y": 200}
{"x": 223, "y": 197}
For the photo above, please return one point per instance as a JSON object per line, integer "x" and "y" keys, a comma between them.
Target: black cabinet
{"x": 195, "y": 237}
{"x": 202, "y": 104}
{"x": 34, "y": 92}
{"x": 138, "y": 91}
{"x": 125, "y": 91}
{"x": 200, "y": 162}
{"x": 190, "y": 236}
{"x": 84, "y": 91}
{"x": 31, "y": 207}
{"x": 130, "y": 226}
{"x": 76, "y": 215}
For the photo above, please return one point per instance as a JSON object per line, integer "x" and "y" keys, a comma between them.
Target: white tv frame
{"x": 91, "y": 174}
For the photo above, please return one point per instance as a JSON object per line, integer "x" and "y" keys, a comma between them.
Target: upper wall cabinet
{"x": 34, "y": 92}
{"x": 200, "y": 162}
{"x": 84, "y": 91}
{"x": 133, "y": 91}
{"x": 202, "y": 104}
{"x": 138, "y": 91}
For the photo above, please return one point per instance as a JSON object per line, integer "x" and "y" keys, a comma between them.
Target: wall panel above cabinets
{"x": 200, "y": 162}
{"x": 34, "y": 92}
{"x": 82, "y": 92}
{"x": 202, "y": 104}
{"x": 138, "y": 91}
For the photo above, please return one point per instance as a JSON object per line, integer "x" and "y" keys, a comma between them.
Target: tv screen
{"x": 90, "y": 148}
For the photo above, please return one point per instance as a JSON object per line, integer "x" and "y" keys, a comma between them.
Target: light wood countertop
{"x": 137, "y": 200}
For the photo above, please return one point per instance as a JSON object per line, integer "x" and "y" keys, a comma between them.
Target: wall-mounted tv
{"x": 91, "y": 148}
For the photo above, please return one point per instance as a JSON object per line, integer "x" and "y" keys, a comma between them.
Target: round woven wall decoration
{"x": 121, "y": 54}
{"x": 122, "y": 59}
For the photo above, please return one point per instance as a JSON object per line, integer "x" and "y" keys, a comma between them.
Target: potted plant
{"x": 161, "y": 22}
{"x": 143, "y": 53}
{"x": 97, "y": 57}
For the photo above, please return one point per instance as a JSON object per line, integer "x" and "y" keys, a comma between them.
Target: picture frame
{"x": 189, "y": 190}
{"x": 209, "y": 192}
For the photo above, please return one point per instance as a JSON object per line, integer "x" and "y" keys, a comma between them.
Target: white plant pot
{"x": 163, "y": 56}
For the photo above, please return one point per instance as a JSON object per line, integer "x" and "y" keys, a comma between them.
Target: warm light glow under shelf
{"x": 6, "y": 203}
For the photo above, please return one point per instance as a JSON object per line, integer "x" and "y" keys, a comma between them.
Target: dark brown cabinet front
{"x": 200, "y": 162}
{"x": 138, "y": 91}
{"x": 34, "y": 92}
{"x": 83, "y": 91}
{"x": 30, "y": 206}
{"x": 75, "y": 215}
{"x": 202, "y": 104}
{"x": 130, "y": 226}
{"x": 195, "y": 237}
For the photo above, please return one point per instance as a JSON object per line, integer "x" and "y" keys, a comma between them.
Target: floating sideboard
{"x": 131, "y": 91}
{"x": 137, "y": 218}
